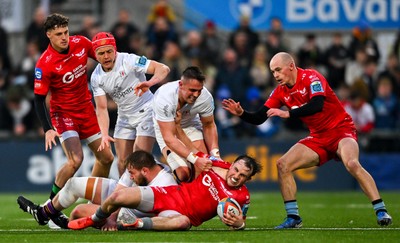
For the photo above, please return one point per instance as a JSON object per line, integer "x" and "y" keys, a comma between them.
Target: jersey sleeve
{"x": 274, "y": 101}
{"x": 245, "y": 208}
{"x": 138, "y": 64}
{"x": 317, "y": 84}
{"x": 89, "y": 47}
{"x": 164, "y": 110}
{"x": 208, "y": 105}
{"x": 42, "y": 79}
{"x": 125, "y": 179}
{"x": 95, "y": 84}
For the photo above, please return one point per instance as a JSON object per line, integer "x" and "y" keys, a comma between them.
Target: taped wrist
{"x": 215, "y": 152}
{"x": 191, "y": 158}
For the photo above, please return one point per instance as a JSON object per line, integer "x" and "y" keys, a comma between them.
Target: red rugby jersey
{"x": 310, "y": 83}
{"x": 65, "y": 75}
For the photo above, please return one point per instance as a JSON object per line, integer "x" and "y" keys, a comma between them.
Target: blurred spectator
{"x": 4, "y": 83}
{"x": 362, "y": 37}
{"x": 122, "y": 30}
{"x": 370, "y": 77}
{"x": 361, "y": 112}
{"x": 309, "y": 55}
{"x": 161, "y": 9}
{"x": 192, "y": 47}
{"x": 276, "y": 27}
{"x": 18, "y": 115}
{"x": 175, "y": 60}
{"x": 243, "y": 48}
{"x": 386, "y": 105}
{"x": 211, "y": 43}
{"x": 336, "y": 57}
{"x": 275, "y": 39}
{"x": 137, "y": 44}
{"x": 392, "y": 71}
{"x": 235, "y": 77}
{"x": 5, "y": 62}
{"x": 259, "y": 69}
{"x": 226, "y": 122}
{"x": 158, "y": 34}
{"x": 274, "y": 44}
{"x": 35, "y": 31}
{"x": 343, "y": 93}
{"x": 210, "y": 71}
{"x": 29, "y": 61}
{"x": 244, "y": 27}
{"x": 355, "y": 68}
{"x": 396, "y": 46}
{"x": 89, "y": 27}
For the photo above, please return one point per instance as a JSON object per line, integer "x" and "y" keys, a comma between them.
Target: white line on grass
{"x": 223, "y": 229}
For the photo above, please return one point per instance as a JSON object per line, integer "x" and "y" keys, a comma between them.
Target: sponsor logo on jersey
{"x": 165, "y": 110}
{"x": 79, "y": 54}
{"x": 38, "y": 74}
{"x": 38, "y": 85}
{"x": 68, "y": 77}
{"x": 141, "y": 61}
{"x": 118, "y": 93}
{"x": 68, "y": 122}
{"x": 75, "y": 39}
{"x": 59, "y": 68}
{"x": 316, "y": 87}
{"x": 48, "y": 58}
{"x": 207, "y": 181}
{"x": 76, "y": 73}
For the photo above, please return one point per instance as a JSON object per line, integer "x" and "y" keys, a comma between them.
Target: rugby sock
{"x": 100, "y": 215}
{"x": 49, "y": 209}
{"x": 292, "y": 209}
{"x": 147, "y": 223}
{"x": 379, "y": 206}
{"x": 54, "y": 190}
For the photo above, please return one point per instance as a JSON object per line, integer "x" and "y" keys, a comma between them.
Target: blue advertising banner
{"x": 299, "y": 14}
{"x": 25, "y": 166}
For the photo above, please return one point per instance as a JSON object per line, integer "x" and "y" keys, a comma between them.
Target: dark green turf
{"x": 327, "y": 217}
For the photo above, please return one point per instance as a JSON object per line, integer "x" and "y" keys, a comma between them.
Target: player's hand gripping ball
{"x": 228, "y": 205}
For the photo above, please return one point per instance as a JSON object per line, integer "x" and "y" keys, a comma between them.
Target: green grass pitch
{"x": 327, "y": 217}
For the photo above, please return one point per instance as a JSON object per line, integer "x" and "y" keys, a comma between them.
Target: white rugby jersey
{"x": 119, "y": 83}
{"x": 165, "y": 103}
{"x": 163, "y": 178}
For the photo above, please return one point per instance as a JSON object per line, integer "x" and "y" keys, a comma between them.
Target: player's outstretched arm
{"x": 160, "y": 72}
{"x": 232, "y": 106}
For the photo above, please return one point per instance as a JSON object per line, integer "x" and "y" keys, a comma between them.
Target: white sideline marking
{"x": 224, "y": 229}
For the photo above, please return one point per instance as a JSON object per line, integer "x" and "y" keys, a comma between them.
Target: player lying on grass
{"x": 178, "y": 207}
{"x": 141, "y": 170}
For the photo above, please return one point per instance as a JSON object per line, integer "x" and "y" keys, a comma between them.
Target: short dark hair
{"x": 250, "y": 163}
{"x": 140, "y": 159}
{"x": 193, "y": 72}
{"x": 55, "y": 20}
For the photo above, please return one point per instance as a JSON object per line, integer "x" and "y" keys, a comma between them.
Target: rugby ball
{"x": 228, "y": 205}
